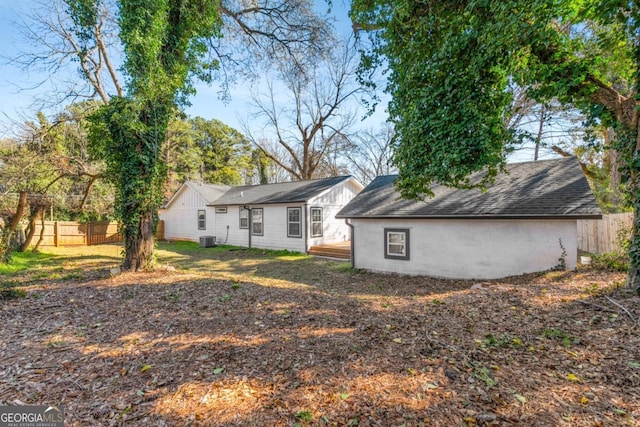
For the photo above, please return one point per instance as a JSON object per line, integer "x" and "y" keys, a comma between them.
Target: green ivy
{"x": 165, "y": 47}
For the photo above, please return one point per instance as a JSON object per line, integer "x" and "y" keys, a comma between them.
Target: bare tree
{"x": 371, "y": 154}
{"x": 287, "y": 31}
{"x": 309, "y": 115}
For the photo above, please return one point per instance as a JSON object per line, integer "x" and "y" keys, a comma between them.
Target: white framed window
{"x": 316, "y": 222}
{"x": 294, "y": 222}
{"x": 221, "y": 210}
{"x": 257, "y": 226}
{"x": 244, "y": 218}
{"x": 202, "y": 219}
{"x": 396, "y": 243}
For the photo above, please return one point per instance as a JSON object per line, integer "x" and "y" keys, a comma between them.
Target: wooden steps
{"x": 340, "y": 250}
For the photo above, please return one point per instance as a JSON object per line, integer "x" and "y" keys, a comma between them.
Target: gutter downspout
{"x": 306, "y": 229}
{"x": 352, "y": 233}
{"x": 248, "y": 208}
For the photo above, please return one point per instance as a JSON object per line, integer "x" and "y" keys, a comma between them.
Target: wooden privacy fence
{"x": 71, "y": 233}
{"x": 603, "y": 235}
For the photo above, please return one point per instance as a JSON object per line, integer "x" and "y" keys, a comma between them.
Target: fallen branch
{"x": 623, "y": 308}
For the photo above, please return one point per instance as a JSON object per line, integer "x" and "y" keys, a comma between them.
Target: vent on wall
{"x": 207, "y": 241}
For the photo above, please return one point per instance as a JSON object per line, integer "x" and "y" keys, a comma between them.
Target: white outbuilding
{"x": 525, "y": 222}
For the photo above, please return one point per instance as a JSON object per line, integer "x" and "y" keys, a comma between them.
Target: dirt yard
{"x": 243, "y": 338}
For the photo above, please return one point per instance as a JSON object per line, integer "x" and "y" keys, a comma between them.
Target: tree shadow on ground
{"x": 187, "y": 348}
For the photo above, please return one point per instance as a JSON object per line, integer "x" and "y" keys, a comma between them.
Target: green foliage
{"x": 502, "y": 340}
{"x": 557, "y": 334}
{"x": 448, "y": 70}
{"x": 611, "y": 261}
{"x": 449, "y": 63}
{"x": 481, "y": 372}
{"x": 225, "y": 152}
{"x": 164, "y": 47}
{"x": 129, "y": 135}
{"x": 562, "y": 261}
{"x": 617, "y": 260}
{"x": 304, "y": 415}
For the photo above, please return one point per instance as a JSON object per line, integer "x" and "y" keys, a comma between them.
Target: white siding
{"x": 275, "y": 229}
{"x": 228, "y": 229}
{"x": 181, "y": 217}
{"x": 334, "y": 230}
{"x": 274, "y": 225}
{"x": 468, "y": 249}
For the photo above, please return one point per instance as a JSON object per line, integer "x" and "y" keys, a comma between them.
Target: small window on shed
{"x": 202, "y": 220}
{"x": 396, "y": 243}
{"x": 221, "y": 210}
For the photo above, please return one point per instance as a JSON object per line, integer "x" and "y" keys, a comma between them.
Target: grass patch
{"x": 191, "y": 247}
{"x": 11, "y": 293}
{"x": 21, "y": 261}
{"x": 282, "y": 253}
{"x": 346, "y": 267}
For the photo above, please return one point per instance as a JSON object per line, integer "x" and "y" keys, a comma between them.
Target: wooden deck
{"x": 340, "y": 250}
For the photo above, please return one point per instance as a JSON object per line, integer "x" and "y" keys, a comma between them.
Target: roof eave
{"x": 409, "y": 217}
{"x": 258, "y": 203}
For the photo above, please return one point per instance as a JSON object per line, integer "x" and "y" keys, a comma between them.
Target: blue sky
{"x": 16, "y": 104}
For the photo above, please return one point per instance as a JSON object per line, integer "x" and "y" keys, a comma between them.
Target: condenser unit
{"x": 207, "y": 241}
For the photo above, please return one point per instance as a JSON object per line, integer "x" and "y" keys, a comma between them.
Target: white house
{"x": 525, "y": 222}
{"x": 289, "y": 215}
{"x": 187, "y": 215}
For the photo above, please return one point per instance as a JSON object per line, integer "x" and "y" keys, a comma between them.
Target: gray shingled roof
{"x": 546, "y": 189}
{"x": 209, "y": 192}
{"x": 285, "y": 192}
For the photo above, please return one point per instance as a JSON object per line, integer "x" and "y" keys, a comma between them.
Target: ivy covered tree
{"x": 166, "y": 45}
{"x": 449, "y": 65}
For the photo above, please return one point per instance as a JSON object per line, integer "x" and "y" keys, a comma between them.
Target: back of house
{"x": 290, "y": 215}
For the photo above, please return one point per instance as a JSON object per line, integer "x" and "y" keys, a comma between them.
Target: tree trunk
{"x": 7, "y": 233}
{"x": 37, "y": 212}
{"x": 536, "y": 152}
{"x": 41, "y": 237}
{"x": 139, "y": 245}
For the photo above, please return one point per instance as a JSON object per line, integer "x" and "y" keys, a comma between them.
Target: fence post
{"x": 87, "y": 235}
{"x": 56, "y": 231}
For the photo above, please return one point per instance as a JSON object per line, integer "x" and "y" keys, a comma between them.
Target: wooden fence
{"x": 71, "y": 233}
{"x": 603, "y": 235}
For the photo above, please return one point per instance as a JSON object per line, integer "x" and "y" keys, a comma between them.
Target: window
{"x": 396, "y": 243}
{"x": 316, "y": 222}
{"x": 221, "y": 210}
{"x": 202, "y": 220}
{"x": 294, "y": 222}
{"x": 244, "y": 218}
{"x": 256, "y": 222}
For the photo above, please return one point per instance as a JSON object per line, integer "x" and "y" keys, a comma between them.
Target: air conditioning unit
{"x": 207, "y": 241}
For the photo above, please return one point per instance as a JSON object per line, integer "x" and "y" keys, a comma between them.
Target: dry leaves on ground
{"x": 346, "y": 348}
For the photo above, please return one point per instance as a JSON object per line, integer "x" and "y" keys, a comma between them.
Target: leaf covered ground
{"x": 240, "y": 337}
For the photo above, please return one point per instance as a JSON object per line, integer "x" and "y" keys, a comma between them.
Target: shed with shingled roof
{"x": 524, "y": 222}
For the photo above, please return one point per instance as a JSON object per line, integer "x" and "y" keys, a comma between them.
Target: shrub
{"x": 611, "y": 261}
